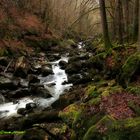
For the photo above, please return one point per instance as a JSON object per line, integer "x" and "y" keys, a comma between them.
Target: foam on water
{"x": 59, "y": 76}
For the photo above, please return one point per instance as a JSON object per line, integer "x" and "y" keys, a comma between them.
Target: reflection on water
{"x": 52, "y": 82}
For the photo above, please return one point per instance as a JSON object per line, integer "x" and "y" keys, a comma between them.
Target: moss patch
{"x": 129, "y": 68}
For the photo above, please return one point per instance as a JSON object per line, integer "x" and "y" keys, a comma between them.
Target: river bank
{"x": 71, "y": 94}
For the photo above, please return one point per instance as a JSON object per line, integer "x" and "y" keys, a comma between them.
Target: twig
{"x": 8, "y": 66}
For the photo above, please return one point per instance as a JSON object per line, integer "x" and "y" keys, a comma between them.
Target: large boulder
{"x": 21, "y": 92}
{"x": 33, "y": 79}
{"x": 74, "y": 67}
{"x": 110, "y": 128}
{"x": 63, "y": 64}
{"x": 129, "y": 69}
{"x": 46, "y": 71}
{"x": 40, "y": 92}
{"x": 79, "y": 78}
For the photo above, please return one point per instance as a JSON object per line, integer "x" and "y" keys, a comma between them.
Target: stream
{"x": 53, "y": 83}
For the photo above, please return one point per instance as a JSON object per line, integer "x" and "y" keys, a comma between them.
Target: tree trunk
{"x": 126, "y": 19}
{"x": 139, "y": 33}
{"x": 136, "y": 21}
{"x": 119, "y": 21}
{"x": 104, "y": 24}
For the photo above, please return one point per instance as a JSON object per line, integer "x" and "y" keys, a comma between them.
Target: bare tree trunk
{"x": 126, "y": 18}
{"x": 119, "y": 21}
{"x": 136, "y": 21}
{"x": 139, "y": 33}
{"x": 104, "y": 24}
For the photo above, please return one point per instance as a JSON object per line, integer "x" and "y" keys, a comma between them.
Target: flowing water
{"x": 52, "y": 82}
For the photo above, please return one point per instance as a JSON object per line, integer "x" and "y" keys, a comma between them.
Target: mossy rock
{"x": 129, "y": 68}
{"x": 70, "y": 114}
{"x": 106, "y": 91}
{"x": 94, "y": 101}
{"x": 91, "y": 91}
{"x": 85, "y": 123}
{"x": 134, "y": 107}
{"x": 110, "y": 129}
{"x": 97, "y": 61}
{"x": 78, "y": 119}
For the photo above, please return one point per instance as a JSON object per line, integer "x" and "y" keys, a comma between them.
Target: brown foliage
{"x": 116, "y": 105}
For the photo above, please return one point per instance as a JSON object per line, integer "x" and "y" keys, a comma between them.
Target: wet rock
{"x": 6, "y": 83}
{"x": 74, "y": 78}
{"x": 40, "y": 92}
{"x": 33, "y": 79}
{"x": 79, "y": 58}
{"x": 15, "y": 101}
{"x": 63, "y": 64}
{"x": 46, "y": 71}
{"x": 65, "y": 82}
{"x": 22, "y": 67}
{"x": 54, "y": 57}
{"x": 79, "y": 78}
{"x": 63, "y": 101}
{"x": 70, "y": 97}
{"x": 19, "y": 93}
{"x": 30, "y": 106}
{"x": 51, "y": 84}
{"x": 73, "y": 68}
{"x": 4, "y": 61}
{"x": 24, "y": 83}
{"x": 22, "y": 111}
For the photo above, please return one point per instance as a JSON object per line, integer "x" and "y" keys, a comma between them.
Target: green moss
{"x": 70, "y": 114}
{"x": 91, "y": 91}
{"x": 114, "y": 130}
{"x": 134, "y": 107}
{"x": 116, "y": 88}
{"x": 134, "y": 89}
{"x": 93, "y": 133}
{"x": 106, "y": 91}
{"x": 129, "y": 68}
{"x": 94, "y": 101}
{"x": 84, "y": 122}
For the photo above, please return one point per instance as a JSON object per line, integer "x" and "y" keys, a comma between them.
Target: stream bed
{"x": 53, "y": 83}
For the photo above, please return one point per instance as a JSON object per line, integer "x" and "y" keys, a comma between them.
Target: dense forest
{"x": 69, "y": 70}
